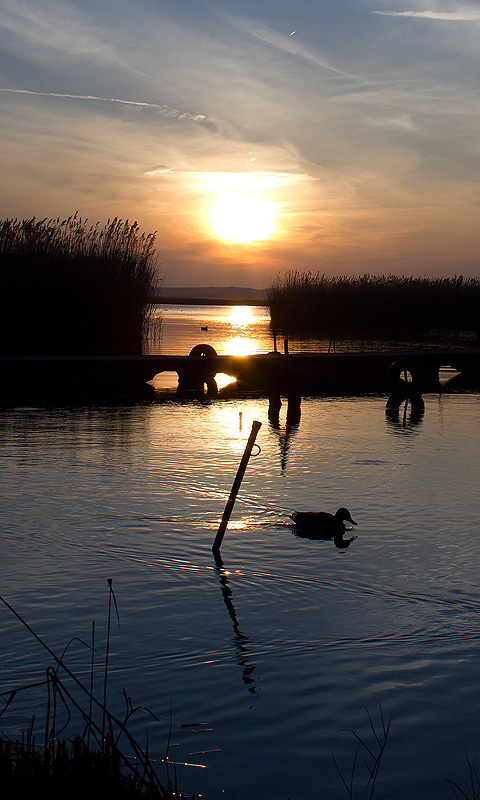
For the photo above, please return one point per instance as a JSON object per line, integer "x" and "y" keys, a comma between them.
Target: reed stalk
{"x": 472, "y": 792}
{"x": 72, "y": 768}
{"x": 75, "y": 769}
{"x": 373, "y": 754}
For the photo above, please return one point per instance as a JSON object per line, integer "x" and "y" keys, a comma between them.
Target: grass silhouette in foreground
{"x": 72, "y": 288}
{"x": 92, "y": 764}
{"x": 383, "y": 307}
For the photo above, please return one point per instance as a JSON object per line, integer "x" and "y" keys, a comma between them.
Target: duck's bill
{"x": 352, "y": 521}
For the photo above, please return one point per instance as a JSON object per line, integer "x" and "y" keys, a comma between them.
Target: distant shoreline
{"x": 210, "y": 301}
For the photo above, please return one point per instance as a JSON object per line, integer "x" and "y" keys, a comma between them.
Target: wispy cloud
{"x": 283, "y": 42}
{"x": 463, "y": 15}
{"x": 234, "y": 181}
{"x": 44, "y": 31}
{"x": 360, "y": 138}
{"x": 53, "y": 24}
{"x": 165, "y": 110}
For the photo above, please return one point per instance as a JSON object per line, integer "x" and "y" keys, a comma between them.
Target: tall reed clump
{"x": 71, "y": 288}
{"x": 382, "y": 306}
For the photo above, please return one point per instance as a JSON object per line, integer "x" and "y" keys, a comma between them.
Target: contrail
{"x": 164, "y": 109}
{"x": 85, "y": 97}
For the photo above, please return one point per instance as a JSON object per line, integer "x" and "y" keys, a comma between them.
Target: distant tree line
{"x": 385, "y": 306}
{"x": 70, "y": 287}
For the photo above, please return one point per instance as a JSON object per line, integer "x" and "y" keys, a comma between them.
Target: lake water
{"x": 258, "y": 669}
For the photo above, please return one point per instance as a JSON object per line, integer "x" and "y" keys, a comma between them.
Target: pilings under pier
{"x": 301, "y": 374}
{"x": 394, "y": 372}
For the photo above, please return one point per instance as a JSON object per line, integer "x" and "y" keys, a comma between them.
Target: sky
{"x": 254, "y": 136}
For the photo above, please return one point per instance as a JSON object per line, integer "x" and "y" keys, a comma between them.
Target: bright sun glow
{"x": 223, "y": 380}
{"x": 239, "y": 346}
{"x": 241, "y": 316}
{"x": 242, "y": 217}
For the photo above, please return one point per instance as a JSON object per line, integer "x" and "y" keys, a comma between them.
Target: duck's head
{"x": 344, "y": 514}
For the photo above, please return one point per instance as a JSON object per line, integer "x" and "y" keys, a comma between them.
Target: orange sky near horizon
{"x": 322, "y": 137}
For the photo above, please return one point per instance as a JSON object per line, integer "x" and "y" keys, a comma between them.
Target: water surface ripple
{"x": 266, "y": 661}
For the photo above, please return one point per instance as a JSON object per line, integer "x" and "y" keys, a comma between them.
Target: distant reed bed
{"x": 386, "y": 306}
{"x": 72, "y": 288}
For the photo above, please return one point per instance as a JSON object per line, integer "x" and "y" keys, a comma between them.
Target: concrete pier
{"x": 332, "y": 374}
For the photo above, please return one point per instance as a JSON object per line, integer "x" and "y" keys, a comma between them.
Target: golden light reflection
{"x": 237, "y": 525}
{"x": 223, "y": 380}
{"x": 240, "y": 346}
{"x": 241, "y": 316}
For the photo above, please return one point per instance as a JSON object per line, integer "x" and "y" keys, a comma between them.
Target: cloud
{"x": 151, "y": 173}
{"x": 464, "y": 15}
{"x": 55, "y": 25}
{"x": 360, "y": 138}
{"x": 165, "y": 110}
{"x": 293, "y": 46}
{"x": 234, "y": 181}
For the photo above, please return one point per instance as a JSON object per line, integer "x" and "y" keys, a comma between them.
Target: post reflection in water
{"x": 240, "y": 640}
{"x": 409, "y": 418}
{"x": 292, "y": 420}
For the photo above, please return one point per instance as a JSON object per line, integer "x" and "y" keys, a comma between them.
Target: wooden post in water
{"x": 236, "y": 486}
{"x": 274, "y": 340}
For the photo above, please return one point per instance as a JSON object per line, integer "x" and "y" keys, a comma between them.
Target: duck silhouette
{"x": 323, "y": 522}
{"x": 322, "y": 525}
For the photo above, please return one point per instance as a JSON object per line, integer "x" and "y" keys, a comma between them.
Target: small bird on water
{"x": 321, "y": 525}
{"x": 333, "y": 524}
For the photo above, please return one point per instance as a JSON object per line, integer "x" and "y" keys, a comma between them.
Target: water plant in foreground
{"x": 104, "y": 761}
{"x": 72, "y": 288}
{"x": 372, "y": 756}
{"x": 473, "y": 790}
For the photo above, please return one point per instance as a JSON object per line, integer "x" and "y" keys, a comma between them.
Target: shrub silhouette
{"x": 73, "y": 288}
{"x": 383, "y": 306}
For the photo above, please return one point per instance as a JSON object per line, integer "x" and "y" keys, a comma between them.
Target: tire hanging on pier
{"x": 203, "y": 350}
{"x": 194, "y": 380}
{"x": 404, "y": 390}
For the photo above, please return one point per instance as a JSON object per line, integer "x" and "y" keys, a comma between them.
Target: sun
{"x": 242, "y": 217}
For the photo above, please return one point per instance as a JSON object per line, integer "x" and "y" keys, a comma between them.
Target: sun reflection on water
{"x": 223, "y": 380}
{"x": 241, "y": 316}
{"x": 240, "y": 346}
